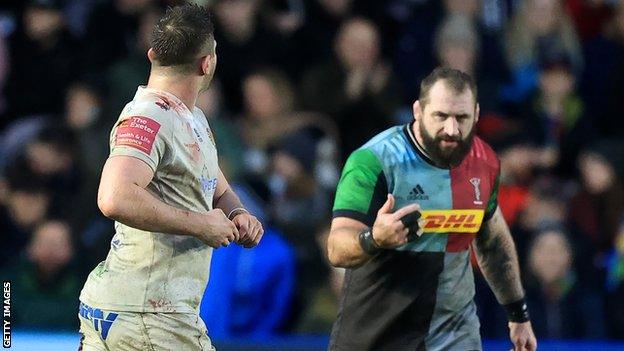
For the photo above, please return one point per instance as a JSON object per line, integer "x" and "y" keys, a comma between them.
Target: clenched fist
{"x": 220, "y": 231}
{"x": 249, "y": 228}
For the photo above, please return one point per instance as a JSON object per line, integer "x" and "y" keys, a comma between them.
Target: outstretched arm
{"x": 498, "y": 260}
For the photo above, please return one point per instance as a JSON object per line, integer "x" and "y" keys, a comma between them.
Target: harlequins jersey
{"x": 418, "y": 296}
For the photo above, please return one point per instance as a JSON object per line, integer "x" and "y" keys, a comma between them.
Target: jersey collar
{"x": 409, "y": 134}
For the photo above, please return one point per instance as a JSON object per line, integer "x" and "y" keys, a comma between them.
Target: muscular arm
{"x": 498, "y": 260}
{"x": 343, "y": 247}
{"x": 122, "y": 197}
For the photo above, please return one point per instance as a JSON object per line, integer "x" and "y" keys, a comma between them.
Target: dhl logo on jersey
{"x": 452, "y": 221}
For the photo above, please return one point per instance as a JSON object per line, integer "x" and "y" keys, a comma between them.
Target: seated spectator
{"x": 418, "y": 52}
{"x": 111, "y": 31}
{"x": 298, "y": 201}
{"x": 589, "y": 16}
{"x": 604, "y": 73}
{"x": 538, "y": 27}
{"x": 25, "y": 205}
{"x": 553, "y": 117}
{"x": 561, "y": 306}
{"x": 545, "y": 202}
{"x": 83, "y": 115}
{"x": 596, "y": 209}
{"x": 458, "y": 45}
{"x": 270, "y": 113}
{"x": 229, "y": 143}
{"x": 43, "y": 62}
{"x": 45, "y": 283}
{"x": 123, "y": 75}
{"x": 255, "y": 286}
{"x": 357, "y": 89}
{"x": 244, "y": 45}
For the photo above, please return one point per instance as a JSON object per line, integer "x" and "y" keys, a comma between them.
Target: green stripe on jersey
{"x": 359, "y": 184}
{"x": 493, "y": 202}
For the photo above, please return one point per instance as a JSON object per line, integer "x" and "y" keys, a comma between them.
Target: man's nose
{"x": 451, "y": 127}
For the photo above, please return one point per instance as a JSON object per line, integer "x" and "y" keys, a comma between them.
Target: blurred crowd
{"x": 299, "y": 85}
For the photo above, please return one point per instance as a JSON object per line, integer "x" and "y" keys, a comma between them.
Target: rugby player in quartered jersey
{"x": 412, "y": 288}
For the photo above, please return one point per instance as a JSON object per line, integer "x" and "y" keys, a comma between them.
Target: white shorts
{"x": 104, "y": 330}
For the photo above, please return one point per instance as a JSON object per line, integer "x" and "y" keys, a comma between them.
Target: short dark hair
{"x": 455, "y": 79}
{"x": 181, "y": 34}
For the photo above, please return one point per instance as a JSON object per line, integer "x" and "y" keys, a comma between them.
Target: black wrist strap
{"x": 367, "y": 242}
{"x": 517, "y": 312}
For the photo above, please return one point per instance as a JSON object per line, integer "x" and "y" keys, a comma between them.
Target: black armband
{"x": 517, "y": 312}
{"x": 367, "y": 242}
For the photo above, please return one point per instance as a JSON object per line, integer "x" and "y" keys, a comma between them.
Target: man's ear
{"x": 477, "y": 113}
{"x": 151, "y": 55}
{"x": 205, "y": 63}
{"x": 417, "y": 110}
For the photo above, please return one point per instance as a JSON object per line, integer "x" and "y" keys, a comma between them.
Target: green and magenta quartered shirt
{"x": 418, "y": 296}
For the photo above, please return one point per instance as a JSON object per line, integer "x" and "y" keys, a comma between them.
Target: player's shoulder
{"x": 150, "y": 104}
{"x": 482, "y": 152}
{"x": 371, "y": 152}
{"x": 384, "y": 137}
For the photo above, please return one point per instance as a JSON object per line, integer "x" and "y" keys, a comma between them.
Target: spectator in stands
{"x": 417, "y": 54}
{"x": 83, "y": 116}
{"x": 111, "y": 32}
{"x": 546, "y": 202}
{"x": 243, "y": 44}
{"x": 312, "y": 40}
{"x": 253, "y": 297}
{"x": 537, "y": 28}
{"x": 299, "y": 204}
{"x": 457, "y": 44}
{"x": 24, "y": 206}
{"x": 553, "y": 116}
{"x": 270, "y": 114}
{"x": 603, "y": 75}
{"x": 561, "y": 307}
{"x": 43, "y": 62}
{"x": 45, "y": 283}
{"x": 589, "y": 16}
{"x": 596, "y": 209}
{"x": 130, "y": 70}
{"x": 229, "y": 143}
{"x": 357, "y": 89}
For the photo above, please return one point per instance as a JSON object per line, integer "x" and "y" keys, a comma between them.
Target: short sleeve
{"x": 493, "y": 202}
{"x": 146, "y": 138}
{"x": 362, "y": 188}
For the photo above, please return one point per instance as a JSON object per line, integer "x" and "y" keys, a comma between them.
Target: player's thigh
{"x": 110, "y": 330}
{"x": 176, "y": 331}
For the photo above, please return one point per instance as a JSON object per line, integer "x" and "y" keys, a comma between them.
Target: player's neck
{"x": 183, "y": 87}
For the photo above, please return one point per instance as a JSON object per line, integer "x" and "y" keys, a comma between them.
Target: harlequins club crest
{"x": 476, "y": 182}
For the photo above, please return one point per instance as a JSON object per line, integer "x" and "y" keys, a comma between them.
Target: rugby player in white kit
{"x": 171, "y": 204}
